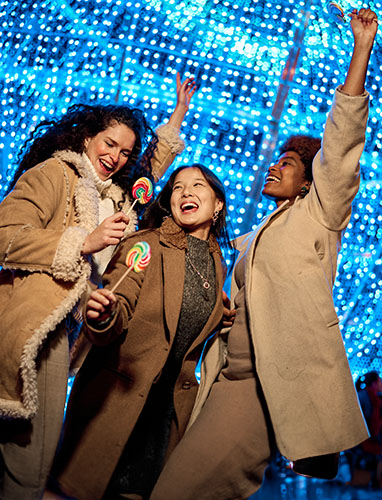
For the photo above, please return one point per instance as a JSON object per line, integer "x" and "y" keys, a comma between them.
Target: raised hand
{"x": 185, "y": 90}
{"x": 364, "y": 24}
{"x": 109, "y": 232}
{"x": 184, "y": 93}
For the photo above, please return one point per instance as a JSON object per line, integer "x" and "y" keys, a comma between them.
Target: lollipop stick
{"x": 122, "y": 277}
{"x": 131, "y": 208}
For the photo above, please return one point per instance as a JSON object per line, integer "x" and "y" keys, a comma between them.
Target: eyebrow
{"x": 115, "y": 142}
{"x": 288, "y": 158}
{"x": 197, "y": 179}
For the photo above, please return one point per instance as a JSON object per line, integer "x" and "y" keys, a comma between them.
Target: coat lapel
{"x": 173, "y": 278}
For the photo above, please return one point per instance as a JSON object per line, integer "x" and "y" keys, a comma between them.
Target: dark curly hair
{"x": 82, "y": 122}
{"x": 161, "y": 207}
{"x": 306, "y": 147}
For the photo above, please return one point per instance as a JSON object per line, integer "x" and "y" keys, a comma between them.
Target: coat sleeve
{"x": 33, "y": 232}
{"x": 336, "y": 171}
{"x": 127, "y": 294}
{"x": 169, "y": 146}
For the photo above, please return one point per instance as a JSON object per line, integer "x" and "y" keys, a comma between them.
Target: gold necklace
{"x": 206, "y": 283}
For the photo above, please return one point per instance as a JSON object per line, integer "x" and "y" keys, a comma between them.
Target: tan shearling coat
{"x": 111, "y": 387}
{"x": 290, "y": 267}
{"x": 43, "y": 224}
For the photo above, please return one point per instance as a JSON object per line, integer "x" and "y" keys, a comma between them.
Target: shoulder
{"x": 150, "y": 236}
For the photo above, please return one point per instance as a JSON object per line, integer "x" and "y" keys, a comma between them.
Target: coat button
{"x": 186, "y": 385}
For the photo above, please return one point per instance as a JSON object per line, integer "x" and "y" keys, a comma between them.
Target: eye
{"x": 126, "y": 154}
{"x": 176, "y": 187}
{"x": 109, "y": 144}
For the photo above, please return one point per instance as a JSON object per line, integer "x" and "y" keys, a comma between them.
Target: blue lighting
{"x": 54, "y": 54}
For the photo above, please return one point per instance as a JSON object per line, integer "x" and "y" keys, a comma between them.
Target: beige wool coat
{"x": 112, "y": 386}
{"x": 43, "y": 224}
{"x": 290, "y": 268}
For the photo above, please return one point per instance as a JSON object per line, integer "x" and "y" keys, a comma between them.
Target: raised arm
{"x": 336, "y": 171}
{"x": 364, "y": 26}
{"x": 170, "y": 144}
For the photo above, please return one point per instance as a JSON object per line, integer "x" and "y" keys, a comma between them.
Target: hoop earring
{"x": 304, "y": 191}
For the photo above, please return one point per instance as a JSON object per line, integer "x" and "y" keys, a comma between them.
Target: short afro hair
{"x": 306, "y": 147}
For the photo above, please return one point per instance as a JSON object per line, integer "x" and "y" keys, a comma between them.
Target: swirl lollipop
{"x": 336, "y": 11}
{"x": 142, "y": 191}
{"x": 137, "y": 258}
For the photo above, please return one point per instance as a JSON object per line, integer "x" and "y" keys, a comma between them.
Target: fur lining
{"x": 66, "y": 262}
{"x": 28, "y": 369}
{"x": 171, "y": 135}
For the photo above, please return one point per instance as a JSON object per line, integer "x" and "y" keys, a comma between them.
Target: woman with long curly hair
{"x": 60, "y": 223}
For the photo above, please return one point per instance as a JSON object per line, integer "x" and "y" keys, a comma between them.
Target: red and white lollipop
{"x": 137, "y": 258}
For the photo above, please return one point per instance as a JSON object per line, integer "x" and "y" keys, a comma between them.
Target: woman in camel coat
{"x": 133, "y": 396}
{"x": 59, "y": 227}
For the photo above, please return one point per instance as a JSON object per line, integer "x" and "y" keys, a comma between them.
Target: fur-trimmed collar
{"x": 174, "y": 235}
{"x": 86, "y": 170}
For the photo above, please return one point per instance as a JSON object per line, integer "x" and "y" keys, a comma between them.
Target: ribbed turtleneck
{"x": 99, "y": 183}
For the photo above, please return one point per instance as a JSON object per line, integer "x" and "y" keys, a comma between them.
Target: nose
{"x": 114, "y": 155}
{"x": 186, "y": 192}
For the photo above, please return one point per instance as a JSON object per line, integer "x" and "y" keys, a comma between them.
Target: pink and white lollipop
{"x": 142, "y": 191}
{"x": 137, "y": 258}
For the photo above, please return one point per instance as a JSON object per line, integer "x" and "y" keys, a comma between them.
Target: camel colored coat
{"x": 112, "y": 386}
{"x": 43, "y": 224}
{"x": 290, "y": 267}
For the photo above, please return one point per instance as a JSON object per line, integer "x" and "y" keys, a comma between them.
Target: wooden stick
{"x": 132, "y": 206}
{"x": 122, "y": 277}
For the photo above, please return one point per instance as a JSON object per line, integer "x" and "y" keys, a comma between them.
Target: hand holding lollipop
{"x": 102, "y": 301}
{"x": 137, "y": 258}
{"x": 142, "y": 191}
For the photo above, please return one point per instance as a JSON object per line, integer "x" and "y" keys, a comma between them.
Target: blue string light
{"x": 54, "y": 54}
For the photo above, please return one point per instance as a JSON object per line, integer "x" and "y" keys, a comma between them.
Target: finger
{"x": 178, "y": 81}
{"x": 226, "y": 301}
{"x": 90, "y": 314}
{"x": 120, "y": 216}
{"x": 226, "y": 323}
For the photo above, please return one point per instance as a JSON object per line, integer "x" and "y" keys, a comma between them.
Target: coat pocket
{"x": 320, "y": 293}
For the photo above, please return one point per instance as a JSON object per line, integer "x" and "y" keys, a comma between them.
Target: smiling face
{"x": 110, "y": 149}
{"x": 285, "y": 179}
{"x": 193, "y": 202}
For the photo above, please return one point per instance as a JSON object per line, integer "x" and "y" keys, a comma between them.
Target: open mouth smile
{"x": 272, "y": 179}
{"x": 188, "y": 207}
{"x": 107, "y": 166}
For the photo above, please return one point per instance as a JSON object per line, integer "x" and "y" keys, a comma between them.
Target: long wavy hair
{"x": 161, "y": 207}
{"x": 82, "y": 122}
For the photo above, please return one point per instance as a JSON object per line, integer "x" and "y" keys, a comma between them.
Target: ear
{"x": 86, "y": 143}
{"x": 219, "y": 205}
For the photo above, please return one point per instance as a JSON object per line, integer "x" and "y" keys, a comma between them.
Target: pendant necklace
{"x": 206, "y": 283}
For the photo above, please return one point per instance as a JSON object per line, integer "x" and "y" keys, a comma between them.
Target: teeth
{"x": 272, "y": 178}
{"x": 187, "y": 206}
{"x": 106, "y": 165}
